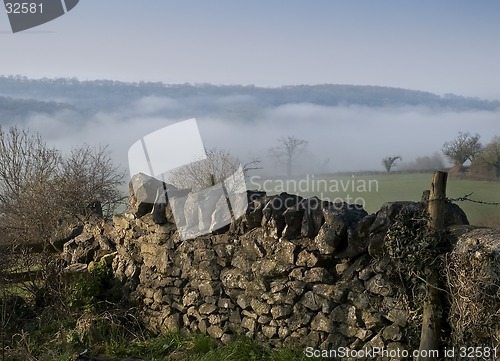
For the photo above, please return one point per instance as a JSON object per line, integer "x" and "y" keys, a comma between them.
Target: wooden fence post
{"x": 437, "y": 201}
{"x": 432, "y": 312}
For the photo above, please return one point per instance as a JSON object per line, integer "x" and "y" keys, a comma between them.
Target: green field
{"x": 376, "y": 189}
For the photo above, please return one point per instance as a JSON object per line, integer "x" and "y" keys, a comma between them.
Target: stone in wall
{"x": 273, "y": 219}
{"x": 143, "y": 191}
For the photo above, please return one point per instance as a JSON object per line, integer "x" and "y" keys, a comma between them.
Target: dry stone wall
{"x": 291, "y": 272}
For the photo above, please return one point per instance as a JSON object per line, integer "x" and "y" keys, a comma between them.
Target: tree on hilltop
{"x": 465, "y": 147}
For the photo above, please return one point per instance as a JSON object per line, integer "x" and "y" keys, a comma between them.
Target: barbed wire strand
{"x": 466, "y": 198}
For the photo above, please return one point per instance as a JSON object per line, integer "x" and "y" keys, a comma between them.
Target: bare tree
{"x": 38, "y": 186}
{"x": 287, "y": 152}
{"x": 463, "y": 148}
{"x": 27, "y": 170}
{"x": 203, "y": 173}
{"x": 88, "y": 175}
{"x": 490, "y": 155}
{"x": 388, "y": 162}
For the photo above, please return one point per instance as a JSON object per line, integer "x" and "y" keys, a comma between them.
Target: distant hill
{"x": 21, "y": 95}
{"x": 16, "y": 109}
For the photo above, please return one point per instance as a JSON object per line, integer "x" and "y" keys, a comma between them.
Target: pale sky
{"x": 446, "y": 46}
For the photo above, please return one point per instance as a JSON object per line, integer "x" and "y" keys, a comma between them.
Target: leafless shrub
{"x": 27, "y": 169}
{"x": 38, "y": 186}
{"x": 217, "y": 167}
{"x": 88, "y": 174}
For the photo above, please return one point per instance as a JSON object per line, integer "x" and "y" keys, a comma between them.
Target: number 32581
{"x": 24, "y": 8}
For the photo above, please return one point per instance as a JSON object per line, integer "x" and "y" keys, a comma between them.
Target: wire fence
{"x": 466, "y": 198}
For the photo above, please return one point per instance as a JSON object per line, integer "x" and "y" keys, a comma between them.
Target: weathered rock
{"x": 215, "y": 332}
{"x": 208, "y": 288}
{"x": 310, "y": 301}
{"x": 67, "y": 230}
{"x": 273, "y": 218}
{"x": 175, "y": 207}
{"x": 172, "y": 323}
{"x": 454, "y": 215}
{"x": 358, "y": 265}
{"x": 376, "y": 245}
{"x": 269, "y": 331}
{"x": 280, "y": 312}
{"x": 313, "y": 218}
{"x": 205, "y": 211}
{"x": 81, "y": 249}
{"x": 221, "y": 216}
{"x": 299, "y": 318}
{"x": 345, "y": 314}
{"x": 331, "y": 237}
{"x": 121, "y": 222}
{"x": 249, "y": 324}
{"x": 260, "y": 308}
{"x": 155, "y": 256}
{"x": 253, "y": 215}
{"x": 371, "y": 320}
{"x": 321, "y": 322}
{"x": 285, "y": 252}
{"x": 251, "y": 249}
{"x": 159, "y": 207}
{"x": 270, "y": 268}
{"x": 379, "y": 286}
{"x": 293, "y": 222}
{"x": 363, "y": 335}
{"x": 390, "y": 211}
{"x": 395, "y": 312}
{"x": 357, "y": 238}
{"x": 307, "y": 259}
{"x": 392, "y": 333}
{"x": 377, "y": 342}
{"x": 241, "y": 262}
{"x": 233, "y": 278}
{"x": 317, "y": 275}
{"x": 349, "y": 213}
{"x": 330, "y": 292}
{"x": 143, "y": 192}
{"x": 333, "y": 234}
